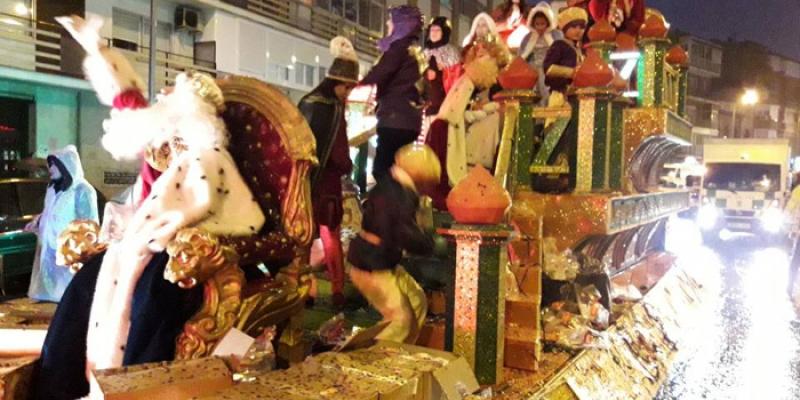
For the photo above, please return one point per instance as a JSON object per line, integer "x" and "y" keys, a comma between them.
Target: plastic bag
{"x": 590, "y": 307}
{"x": 259, "y": 359}
{"x": 560, "y": 266}
{"x": 334, "y": 331}
{"x": 566, "y": 327}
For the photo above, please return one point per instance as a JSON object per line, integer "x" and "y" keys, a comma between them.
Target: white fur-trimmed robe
{"x": 201, "y": 188}
{"x": 452, "y": 111}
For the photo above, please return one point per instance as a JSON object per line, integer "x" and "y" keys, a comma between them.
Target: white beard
{"x": 181, "y": 113}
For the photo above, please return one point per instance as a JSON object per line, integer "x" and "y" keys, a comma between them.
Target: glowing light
{"x": 750, "y": 97}
{"x": 707, "y": 217}
{"x": 627, "y": 69}
{"x": 625, "y": 55}
{"x": 10, "y": 21}
{"x": 772, "y": 220}
{"x": 267, "y": 54}
{"x": 631, "y": 93}
{"x": 316, "y": 59}
{"x": 21, "y": 9}
{"x": 294, "y": 59}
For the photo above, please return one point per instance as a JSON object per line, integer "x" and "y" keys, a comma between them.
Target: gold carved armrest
{"x": 78, "y": 243}
{"x": 297, "y": 212}
{"x": 196, "y": 256}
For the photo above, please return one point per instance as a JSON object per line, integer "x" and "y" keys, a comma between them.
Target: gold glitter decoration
{"x": 571, "y": 218}
{"x": 641, "y": 123}
{"x": 647, "y": 86}
{"x": 510, "y": 121}
{"x": 465, "y": 316}
{"x": 585, "y": 143}
{"x": 672, "y": 78}
{"x": 567, "y": 218}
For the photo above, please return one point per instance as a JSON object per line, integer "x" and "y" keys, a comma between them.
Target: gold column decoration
{"x": 466, "y": 300}
{"x": 647, "y": 91}
{"x": 586, "y": 114}
{"x": 479, "y": 312}
{"x": 510, "y": 117}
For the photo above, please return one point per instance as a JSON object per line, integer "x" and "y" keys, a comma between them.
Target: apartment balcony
{"x": 706, "y": 65}
{"x": 315, "y": 20}
{"x": 42, "y": 47}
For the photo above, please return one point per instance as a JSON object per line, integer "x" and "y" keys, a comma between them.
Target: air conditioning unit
{"x": 187, "y": 19}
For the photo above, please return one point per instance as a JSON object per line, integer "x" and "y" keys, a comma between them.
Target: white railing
{"x": 316, "y": 21}
{"x": 168, "y": 65}
{"x": 36, "y": 46}
{"x": 27, "y": 46}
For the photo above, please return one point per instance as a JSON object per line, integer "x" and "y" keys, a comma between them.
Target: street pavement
{"x": 748, "y": 345}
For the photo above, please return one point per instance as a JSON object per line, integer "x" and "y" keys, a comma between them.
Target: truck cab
{"x": 745, "y": 187}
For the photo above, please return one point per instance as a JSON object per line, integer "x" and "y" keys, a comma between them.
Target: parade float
{"x": 556, "y": 284}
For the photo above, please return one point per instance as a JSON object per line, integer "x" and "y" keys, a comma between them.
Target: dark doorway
{"x": 16, "y": 133}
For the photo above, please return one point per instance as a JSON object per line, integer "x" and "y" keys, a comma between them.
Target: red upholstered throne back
{"x": 261, "y": 157}
{"x": 274, "y": 149}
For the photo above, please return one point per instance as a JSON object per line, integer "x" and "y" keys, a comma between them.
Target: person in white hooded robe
{"x": 543, "y": 33}
{"x": 69, "y": 197}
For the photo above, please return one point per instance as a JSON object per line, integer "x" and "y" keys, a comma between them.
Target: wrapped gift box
{"x": 437, "y": 304}
{"x": 15, "y": 377}
{"x": 432, "y": 335}
{"x": 523, "y": 311}
{"x": 385, "y": 371}
{"x": 523, "y": 332}
{"x": 523, "y": 348}
{"x": 529, "y": 279}
{"x": 173, "y": 380}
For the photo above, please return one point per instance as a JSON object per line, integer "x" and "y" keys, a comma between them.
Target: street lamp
{"x": 750, "y": 97}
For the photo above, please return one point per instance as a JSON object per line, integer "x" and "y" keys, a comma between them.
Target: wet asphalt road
{"x": 748, "y": 344}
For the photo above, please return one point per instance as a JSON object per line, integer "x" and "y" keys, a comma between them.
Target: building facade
{"x": 46, "y": 104}
{"x": 705, "y": 66}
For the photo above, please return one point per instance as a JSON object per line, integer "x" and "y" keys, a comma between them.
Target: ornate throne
{"x": 274, "y": 150}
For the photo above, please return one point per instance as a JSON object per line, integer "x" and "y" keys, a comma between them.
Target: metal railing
{"x": 36, "y": 46}
{"x": 29, "y": 45}
{"x": 316, "y": 21}
{"x": 706, "y": 64}
{"x": 168, "y": 65}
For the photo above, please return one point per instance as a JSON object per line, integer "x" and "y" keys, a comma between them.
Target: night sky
{"x": 775, "y": 23}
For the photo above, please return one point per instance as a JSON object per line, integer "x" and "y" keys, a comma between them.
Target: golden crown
{"x": 206, "y": 87}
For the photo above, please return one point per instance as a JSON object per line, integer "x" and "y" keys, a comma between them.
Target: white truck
{"x": 745, "y": 187}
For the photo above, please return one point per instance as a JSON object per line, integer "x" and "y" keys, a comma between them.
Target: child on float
{"x": 483, "y": 27}
{"x": 396, "y": 76}
{"x": 565, "y": 54}
{"x": 510, "y": 20}
{"x": 389, "y": 228}
{"x": 444, "y": 67}
{"x": 324, "y": 109}
{"x": 543, "y": 33}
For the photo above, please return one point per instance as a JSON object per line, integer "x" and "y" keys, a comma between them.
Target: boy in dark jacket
{"x": 389, "y": 227}
{"x": 565, "y": 55}
{"x": 396, "y": 75}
